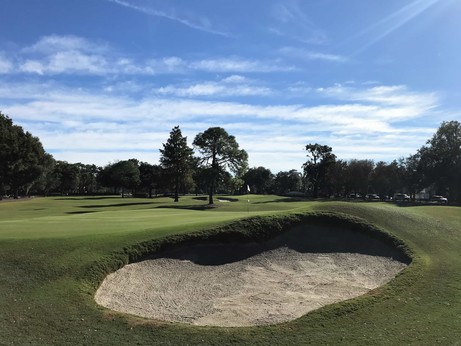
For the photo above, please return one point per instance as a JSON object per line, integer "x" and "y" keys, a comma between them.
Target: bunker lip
{"x": 230, "y": 284}
{"x": 301, "y": 238}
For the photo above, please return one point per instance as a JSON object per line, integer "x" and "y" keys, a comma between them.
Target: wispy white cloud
{"x": 235, "y": 79}
{"x": 193, "y": 21}
{"x": 236, "y": 64}
{"x": 372, "y": 124}
{"x": 52, "y": 44}
{"x": 6, "y": 66}
{"x": 69, "y": 62}
{"x": 67, "y": 54}
{"x": 304, "y": 54}
{"x": 213, "y": 89}
{"x": 32, "y": 66}
{"x": 54, "y": 55}
{"x": 396, "y": 102}
{"x": 231, "y": 86}
{"x": 325, "y": 56}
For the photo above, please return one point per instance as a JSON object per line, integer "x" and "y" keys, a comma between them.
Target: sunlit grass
{"x": 46, "y": 244}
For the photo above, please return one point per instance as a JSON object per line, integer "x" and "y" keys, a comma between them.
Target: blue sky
{"x": 105, "y": 80}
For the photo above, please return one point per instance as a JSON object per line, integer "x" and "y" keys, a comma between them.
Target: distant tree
{"x": 104, "y": 178}
{"x": 259, "y": 179}
{"x": 386, "y": 178}
{"x": 440, "y": 160}
{"x": 67, "y": 177}
{"x": 320, "y": 158}
{"x": 358, "y": 174}
{"x": 225, "y": 183}
{"x": 87, "y": 182}
{"x": 335, "y": 180}
{"x": 22, "y": 157}
{"x": 411, "y": 174}
{"x": 219, "y": 151}
{"x": 151, "y": 177}
{"x": 289, "y": 181}
{"x": 121, "y": 174}
{"x": 202, "y": 178}
{"x": 236, "y": 185}
{"x": 46, "y": 182}
{"x": 176, "y": 159}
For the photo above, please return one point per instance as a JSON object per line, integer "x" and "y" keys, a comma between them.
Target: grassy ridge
{"x": 47, "y": 246}
{"x": 257, "y": 229}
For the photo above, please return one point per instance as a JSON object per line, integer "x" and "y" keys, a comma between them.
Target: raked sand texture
{"x": 275, "y": 286}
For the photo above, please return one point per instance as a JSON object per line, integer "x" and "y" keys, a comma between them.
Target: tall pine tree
{"x": 219, "y": 151}
{"x": 176, "y": 158}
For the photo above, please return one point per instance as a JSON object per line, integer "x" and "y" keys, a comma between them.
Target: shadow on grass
{"x": 416, "y": 204}
{"x": 189, "y": 207}
{"x": 80, "y": 212}
{"x": 286, "y": 199}
{"x": 117, "y": 205}
{"x": 308, "y": 233}
{"x": 86, "y": 198}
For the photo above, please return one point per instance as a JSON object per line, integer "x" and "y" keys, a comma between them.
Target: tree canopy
{"x": 221, "y": 167}
{"x": 259, "y": 179}
{"x": 176, "y": 158}
{"x": 320, "y": 157}
{"x": 219, "y": 151}
{"x": 122, "y": 174}
{"x": 22, "y": 157}
{"x": 440, "y": 160}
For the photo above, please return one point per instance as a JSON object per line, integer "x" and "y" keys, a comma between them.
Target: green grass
{"x": 48, "y": 244}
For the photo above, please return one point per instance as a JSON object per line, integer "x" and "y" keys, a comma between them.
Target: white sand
{"x": 275, "y": 286}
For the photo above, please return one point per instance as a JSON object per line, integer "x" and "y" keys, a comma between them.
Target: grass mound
{"x": 262, "y": 271}
{"x": 304, "y": 232}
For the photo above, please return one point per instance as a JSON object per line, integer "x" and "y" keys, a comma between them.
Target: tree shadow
{"x": 285, "y": 200}
{"x": 415, "y": 204}
{"x": 86, "y": 198}
{"x": 117, "y": 205}
{"x": 80, "y": 212}
{"x": 189, "y": 207}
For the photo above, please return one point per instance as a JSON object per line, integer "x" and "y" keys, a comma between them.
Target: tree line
{"x": 216, "y": 164}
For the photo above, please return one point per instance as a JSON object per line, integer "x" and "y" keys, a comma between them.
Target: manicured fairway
{"x": 48, "y": 244}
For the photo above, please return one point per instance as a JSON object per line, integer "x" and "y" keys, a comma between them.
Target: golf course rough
{"x": 258, "y": 271}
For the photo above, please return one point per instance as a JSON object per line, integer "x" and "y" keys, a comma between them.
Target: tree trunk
{"x": 316, "y": 190}
{"x": 210, "y": 193}
{"x": 176, "y": 189}
{"x": 214, "y": 178}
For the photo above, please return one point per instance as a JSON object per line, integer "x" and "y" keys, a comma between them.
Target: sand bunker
{"x": 269, "y": 287}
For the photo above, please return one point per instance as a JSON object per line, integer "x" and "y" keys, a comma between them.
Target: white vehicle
{"x": 436, "y": 199}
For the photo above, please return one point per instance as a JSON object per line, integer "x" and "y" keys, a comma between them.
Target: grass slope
{"x": 47, "y": 244}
